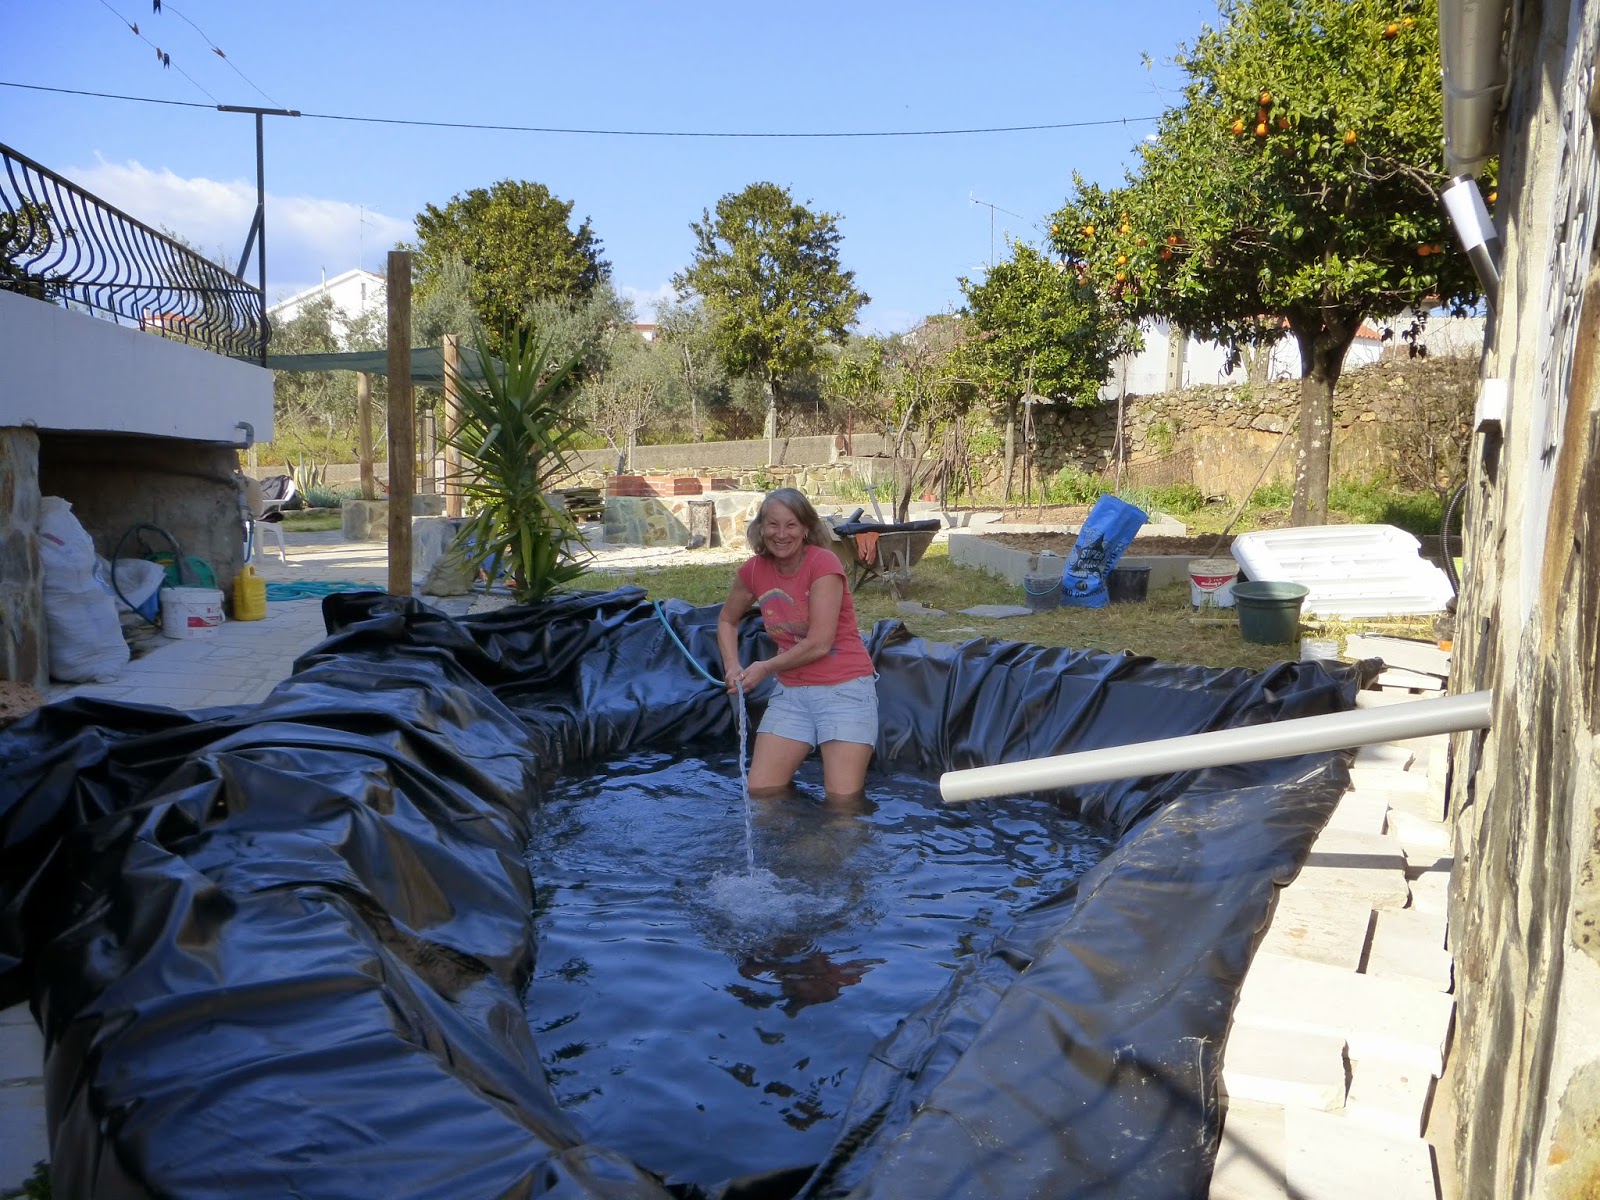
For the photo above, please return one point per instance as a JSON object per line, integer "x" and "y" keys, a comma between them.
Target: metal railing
{"x": 60, "y": 244}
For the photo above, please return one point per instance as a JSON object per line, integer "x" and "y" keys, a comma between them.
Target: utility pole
{"x": 257, "y": 237}
{"x": 992, "y": 208}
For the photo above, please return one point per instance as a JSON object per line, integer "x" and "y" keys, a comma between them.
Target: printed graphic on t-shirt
{"x": 784, "y": 616}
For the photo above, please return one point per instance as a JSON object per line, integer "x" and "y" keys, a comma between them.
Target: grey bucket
{"x": 1042, "y": 592}
{"x": 1269, "y": 613}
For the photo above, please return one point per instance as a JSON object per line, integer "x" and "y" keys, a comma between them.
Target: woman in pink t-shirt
{"x": 826, "y": 694}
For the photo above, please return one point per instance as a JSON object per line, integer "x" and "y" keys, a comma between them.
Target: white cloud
{"x": 305, "y": 234}
{"x": 646, "y": 301}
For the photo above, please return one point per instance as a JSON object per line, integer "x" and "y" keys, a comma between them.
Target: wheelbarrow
{"x": 871, "y": 551}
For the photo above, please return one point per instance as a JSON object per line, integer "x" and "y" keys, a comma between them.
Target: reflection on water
{"x": 708, "y": 1020}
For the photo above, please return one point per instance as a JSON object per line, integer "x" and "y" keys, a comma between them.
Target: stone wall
{"x": 1525, "y": 794}
{"x": 23, "y": 648}
{"x": 116, "y": 481}
{"x": 1226, "y": 433}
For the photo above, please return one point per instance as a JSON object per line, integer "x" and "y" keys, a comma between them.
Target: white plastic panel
{"x": 1351, "y": 570}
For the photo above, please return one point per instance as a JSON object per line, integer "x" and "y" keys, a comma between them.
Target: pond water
{"x": 708, "y": 1020}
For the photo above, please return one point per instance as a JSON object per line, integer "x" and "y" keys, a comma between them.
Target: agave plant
{"x": 514, "y": 430}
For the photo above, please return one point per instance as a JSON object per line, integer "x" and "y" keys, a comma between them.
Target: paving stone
{"x": 1250, "y": 1155}
{"x": 1371, "y": 699}
{"x": 1360, "y": 812}
{"x": 1385, "y": 754}
{"x": 1320, "y": 926}
{"x": 1284, "y": 1067}
{"x": 17, "y": 1014}
{"x": 1379, "y": 1018}
{"x": 21, "y": 1052}
{"x": 1329, "y": 1157}
{"x": 23, "y": 1140}
{"x": 1413, "y": 829}
{"x": 1430, "y": 892}
{"x": 1423, "y": 803}
{"x": 1389, "y": 1098}
{"x": 997, "y": 611}
{"x": 1368, "y": 869}
{"x": 1367, "y": 778}
{"x": 1409, "y": 945}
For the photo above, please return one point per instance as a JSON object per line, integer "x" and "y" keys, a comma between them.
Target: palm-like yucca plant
{"x": 514, "y": 430}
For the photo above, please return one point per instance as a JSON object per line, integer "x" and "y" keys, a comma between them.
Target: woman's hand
{"x": 747, "y": 677}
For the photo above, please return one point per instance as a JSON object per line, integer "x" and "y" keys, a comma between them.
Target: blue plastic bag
{"x": 1105, "y": 535}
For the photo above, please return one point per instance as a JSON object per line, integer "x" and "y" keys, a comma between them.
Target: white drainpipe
{"x": 1223, "y": 747}
{"x": 1471, "y": 34}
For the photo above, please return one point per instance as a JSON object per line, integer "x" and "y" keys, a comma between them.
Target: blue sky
{"x": 341, "y": 193}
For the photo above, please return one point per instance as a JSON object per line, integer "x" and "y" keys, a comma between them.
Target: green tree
{"x": 767, "y": 272}
{"x": 1036, "y": 329}
{"x": 324, "y": 401}
{"x": 516, "y": 242}
{"x": 27, "y": 233}
{"x": 683, "y": 331}
{"x": 1292, "y": 193}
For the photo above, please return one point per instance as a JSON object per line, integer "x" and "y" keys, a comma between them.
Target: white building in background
{"x": 1162, "y": 366}
{"x": 354, "y": 294}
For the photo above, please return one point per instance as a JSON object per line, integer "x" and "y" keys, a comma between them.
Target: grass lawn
{"x": 1164, "y": 627}
{"x": 311, "y": 522}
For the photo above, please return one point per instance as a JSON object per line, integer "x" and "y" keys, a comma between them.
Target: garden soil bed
{"x": 1062, "y": 543}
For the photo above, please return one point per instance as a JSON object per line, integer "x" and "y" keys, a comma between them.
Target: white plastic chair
{"x": 276, "y": 491}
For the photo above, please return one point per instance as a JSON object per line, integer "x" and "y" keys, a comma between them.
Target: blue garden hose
{"x": 739, "y": 715}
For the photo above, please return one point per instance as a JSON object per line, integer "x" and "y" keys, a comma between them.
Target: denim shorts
{"x": 837, "y": 712}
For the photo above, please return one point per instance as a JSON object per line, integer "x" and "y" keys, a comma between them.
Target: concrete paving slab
{"x": 23, "y": 1141}
{"x": 1284, "y": 1067}
{"x": 1323, "y": 927}
{"x": 1384, "y": 754}
{"x": 1366, "y": 869}
{"x": 1379, "y": 1018}
{"x": 1250, "y": 1156}
{"x": 1409, "y": 946}
{"x": 1361, "y": 812}
{"x": 1369, "y": 778}
{"x": 1389, "y": 1098}
{"x": 1329, "y": 1157}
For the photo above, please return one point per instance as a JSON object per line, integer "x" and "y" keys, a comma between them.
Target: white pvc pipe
{"x": 1222, "y": 747}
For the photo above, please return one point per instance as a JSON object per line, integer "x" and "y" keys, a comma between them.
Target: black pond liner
{"x": 281, "y": 950}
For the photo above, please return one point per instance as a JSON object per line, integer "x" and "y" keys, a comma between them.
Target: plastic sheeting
{"x": 281, "y": 950}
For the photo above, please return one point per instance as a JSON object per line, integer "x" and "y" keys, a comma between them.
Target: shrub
{"x": 1176, "y": 498}
{"x": 1072, "y": 485}
{"x": 1277, "y": 494}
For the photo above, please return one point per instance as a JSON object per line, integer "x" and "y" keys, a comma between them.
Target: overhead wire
{"x": 165, "y": 7}
{"x": 599, "y": 132}
{"x": 161, "y": 56}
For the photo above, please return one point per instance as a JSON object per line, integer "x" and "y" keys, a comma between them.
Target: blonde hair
{"x": 818, "y": 532}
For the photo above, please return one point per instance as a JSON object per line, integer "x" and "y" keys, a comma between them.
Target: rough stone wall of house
{"x": 23, "y": 657}
{"x": 1230, "y": 431}
{"x": 191, "y": 489}
{"x": 1525, "y": 904}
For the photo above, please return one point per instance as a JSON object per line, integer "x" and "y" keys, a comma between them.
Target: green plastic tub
{"x": 1269, "y": 613}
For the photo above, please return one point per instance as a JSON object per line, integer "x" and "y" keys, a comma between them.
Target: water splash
{"x": 741, "y": 719}
{"x": 761, "y": 904}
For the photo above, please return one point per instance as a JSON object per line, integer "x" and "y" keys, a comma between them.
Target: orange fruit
{"x": 1349, "y": 137}
{"x": 1391, "y": 30}
{"x": 1174, "y": 240}
{"x": 1122, "y": 277}
{"x": 1139, "y": 241}
{"x": 1261, "y": 129}
{"x": 1266, "y": 99}
{"x": 1122, "y": 260}
{"x": 1166, "y": 252}
{"x": 1126, "y": 229}
{"x": 1424, "y": 250}
{"x": 1492, "y": 196}
{"x": 1088, "y": 231}
{"x": 1055, "y": 229}
{"x": 1283, "y": 122}
{"x": 1238, "y": 128}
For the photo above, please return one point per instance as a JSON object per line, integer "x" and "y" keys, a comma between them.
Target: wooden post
{"x": 452, "y": 422}
{"x": 369, "y": 485}
{"x": 402, "y": 424}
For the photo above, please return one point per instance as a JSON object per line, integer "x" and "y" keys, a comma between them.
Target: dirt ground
{"x": 1061, "y": 543}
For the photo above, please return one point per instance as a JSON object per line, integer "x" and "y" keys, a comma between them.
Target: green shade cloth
{"x": 427, "y": 364}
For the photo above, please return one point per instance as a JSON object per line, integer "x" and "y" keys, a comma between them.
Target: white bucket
{"x": 1211, "y": 582}
{"x": 191, "y": 612}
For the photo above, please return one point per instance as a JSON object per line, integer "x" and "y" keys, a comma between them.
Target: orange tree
{"x": 1292, "y": 193}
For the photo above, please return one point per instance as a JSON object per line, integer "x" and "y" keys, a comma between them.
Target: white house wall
{"x": 69, "y": 371}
